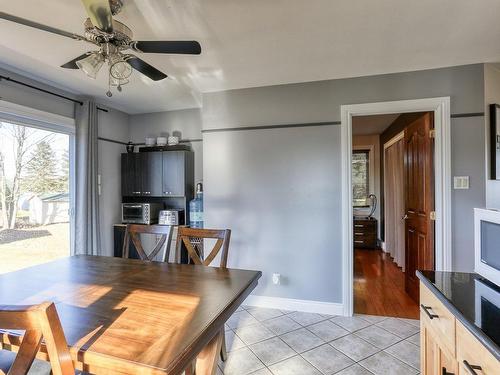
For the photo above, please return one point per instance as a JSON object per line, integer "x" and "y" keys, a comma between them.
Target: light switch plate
{"x": 460, "y": 182}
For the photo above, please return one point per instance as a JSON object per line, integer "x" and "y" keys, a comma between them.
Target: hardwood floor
{"x": 379, "y": 286}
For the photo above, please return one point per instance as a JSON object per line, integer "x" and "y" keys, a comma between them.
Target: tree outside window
{"x": 360, "y": 177}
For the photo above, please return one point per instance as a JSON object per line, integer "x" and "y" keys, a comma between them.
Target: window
{"x": 34, "y": 195}
{"x": 360, "y": 177}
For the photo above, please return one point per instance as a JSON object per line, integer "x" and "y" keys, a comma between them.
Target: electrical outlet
{"x": 461, "y": 182}
{"x": 276, "y": 279}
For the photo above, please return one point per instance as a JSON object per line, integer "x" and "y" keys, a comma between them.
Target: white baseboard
{"x": 291, "y": 304}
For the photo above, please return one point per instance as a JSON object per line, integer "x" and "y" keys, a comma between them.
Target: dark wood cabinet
{"x": 158, "y": 174}
{"x": 365, "y": 233}
{"x": 131, "y": 179}
{"x": 174, "y": 167}
{"x": 151, "y": 174}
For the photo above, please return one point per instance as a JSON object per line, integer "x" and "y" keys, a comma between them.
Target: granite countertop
{"x": 474, "y": 301}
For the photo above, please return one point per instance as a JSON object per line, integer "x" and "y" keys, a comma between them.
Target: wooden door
{"x": 419, "y": 200}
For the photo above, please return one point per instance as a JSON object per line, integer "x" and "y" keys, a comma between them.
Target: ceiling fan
{"x": 113, "y": 38}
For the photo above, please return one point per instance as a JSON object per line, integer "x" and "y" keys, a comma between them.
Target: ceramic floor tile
{"x": 262, "y": 314}
{"x": 407, "y": 352}
{"x": 281, "y": 325}
{"x": 294, "y": 366}
{"x": 327, "y": 330}
{"x": 398, "y": 327}
{"x": 354, "y": 370}
{"x": 378, "y": 336}
{"x": 385, "y": 364}
{"x": 264, "y": 371}
{"x": 272, "y": 351}
{"x": 414, "y": 322}
{"x": 354, "y": 347}
{"x": 233, "y": 342}
{"x": 306, "y": 319}
{"x": 326, "y": 359}
{"x": 415, "y": 339}
{"x": 254, "y": 333}
{"x": 302, "y": 340}
{"x": 241, "y": 362}
{"x": 240, "y": 319}
{"x": 371, "y": 318}
{"x": 351, "y": 323}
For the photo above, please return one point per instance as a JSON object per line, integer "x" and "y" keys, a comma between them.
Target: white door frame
{"x": 442, "y": 165}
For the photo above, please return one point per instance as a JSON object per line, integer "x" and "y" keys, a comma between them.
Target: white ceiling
{"x": 373, "y": 124}
{"x": 257, "y": 43}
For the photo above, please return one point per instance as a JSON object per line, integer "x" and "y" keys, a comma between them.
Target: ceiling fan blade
{"x": 146, "y": 69}
{"x": 189, "y": 47}
{"x": 72, "y": 64}
{"x": 99, "y": 13}
{"x": 39, "y": 26}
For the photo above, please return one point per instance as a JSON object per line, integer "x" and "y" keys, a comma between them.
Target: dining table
{"x": 126, "y": 316}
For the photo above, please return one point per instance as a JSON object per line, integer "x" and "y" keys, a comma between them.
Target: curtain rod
{"x": 47, "y": 91}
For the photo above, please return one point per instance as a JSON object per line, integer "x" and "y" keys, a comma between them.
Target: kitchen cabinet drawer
{"x": 438, "y": 318}
{"x": 473, "y": 358}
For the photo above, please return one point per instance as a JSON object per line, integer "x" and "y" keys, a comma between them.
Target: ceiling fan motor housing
{"x": 121, "y": 36}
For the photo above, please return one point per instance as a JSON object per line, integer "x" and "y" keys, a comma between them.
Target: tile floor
{"x": 274, "y": 342}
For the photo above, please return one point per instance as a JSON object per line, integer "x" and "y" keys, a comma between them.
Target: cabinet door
{"x": 151, "y": 174}
{"x": 173, "y": 173}
{"x": 136, "y": 174}
{"x": 130, "y": 168}
{"x": 435, "y": 359}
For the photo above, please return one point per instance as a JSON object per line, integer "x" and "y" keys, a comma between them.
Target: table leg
{"x": 206, "y": 363}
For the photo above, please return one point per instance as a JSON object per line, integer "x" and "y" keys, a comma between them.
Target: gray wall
{"x": 317, "y": 102}
{"x": 467, "y": 154}
{"x": 185, "y": 124}
{"x": 491, "y": 96}
{"x": 278, "y": 191}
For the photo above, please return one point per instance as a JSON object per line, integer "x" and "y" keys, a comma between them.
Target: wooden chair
{"x": 192, "y": 238}
{"x": 38, "y": 321}
{"x": 134, "y": 231}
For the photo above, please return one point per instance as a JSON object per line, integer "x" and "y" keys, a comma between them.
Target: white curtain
{"x": 394, "y": 206}
{"x": 87, "y": 236}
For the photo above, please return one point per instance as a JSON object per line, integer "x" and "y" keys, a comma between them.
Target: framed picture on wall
{"x": 495, "y": 141}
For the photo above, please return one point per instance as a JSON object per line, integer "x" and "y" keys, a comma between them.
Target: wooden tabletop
{"x": 128, "y": 316}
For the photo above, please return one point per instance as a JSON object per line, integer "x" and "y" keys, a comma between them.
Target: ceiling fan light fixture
{"x": 117, "y": 82}
{"x": 91, "y": 64}
{"x": 119, "y": 68}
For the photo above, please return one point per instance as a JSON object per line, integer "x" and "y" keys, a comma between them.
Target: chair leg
{"x": 190, "y": 370}
{"x": 223, "y": 349}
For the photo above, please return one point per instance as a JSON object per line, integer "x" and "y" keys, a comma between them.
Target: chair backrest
{"x": 38, "y": 321}
{"x": 192, "y": 238}
{"x": 134, "y": 231}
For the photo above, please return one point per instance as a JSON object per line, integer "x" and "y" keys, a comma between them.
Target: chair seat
{"x": 38, "y": 367}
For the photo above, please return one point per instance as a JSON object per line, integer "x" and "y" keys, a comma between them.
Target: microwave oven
{"x": 140, "y": 213}
{"x": 487, "y": 244}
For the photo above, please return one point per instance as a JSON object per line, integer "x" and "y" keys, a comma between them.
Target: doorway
{"x": 440, "y": 109}
{"x": 35, "y": 199}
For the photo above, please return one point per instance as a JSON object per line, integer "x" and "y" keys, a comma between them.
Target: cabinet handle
{"x": 136, "y": 192}
{"x": 358, "y": 233}
{"x": 359, "y": 225}
{"x": 471, "y": 368}
{"x": 426, "y": 310}
{"x": 359, "y": 241}
{"x": 444, "y": 372}
{"x": 147, "y": 192}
